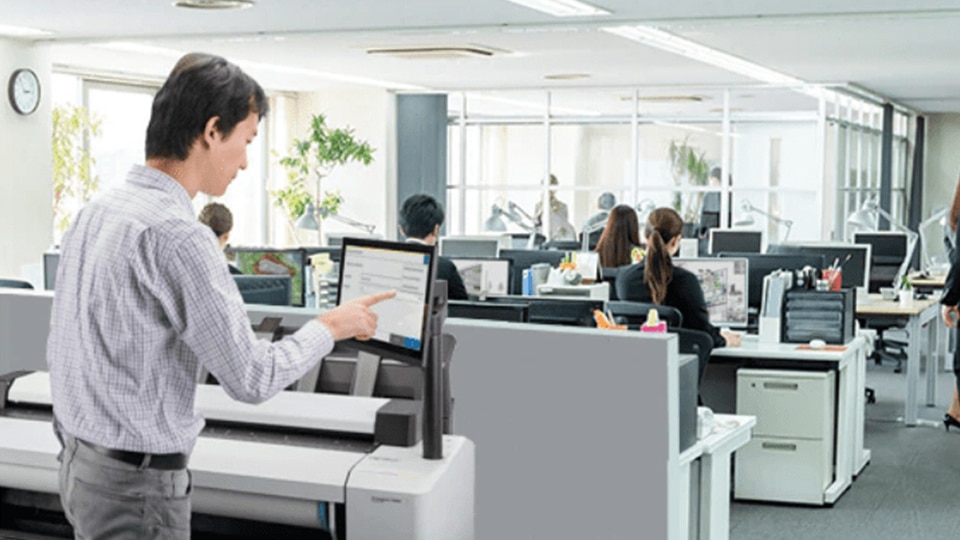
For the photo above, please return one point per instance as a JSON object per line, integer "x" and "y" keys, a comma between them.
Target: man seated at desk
{"x": 420, "y": 219}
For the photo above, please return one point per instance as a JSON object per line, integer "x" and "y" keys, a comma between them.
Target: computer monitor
{"x": 466, "y": 247}
{"x": 564, "y": 311}
{"x": 372, "y": 266}
{"x": 888, "y": 249}
{"x": 268, "y": 290}
{"x": 273, "y": 262}
{"x": 484, "y": 276}
{"x": 760, "y": 265}
{"x": 724, "y": 285}
{"x": 855, "y": 270}
{"x": 735, "y": 240}
{"x": 518, "y": 312}
{"x": 51, "y": 260}
{"x": 522, "y": 259}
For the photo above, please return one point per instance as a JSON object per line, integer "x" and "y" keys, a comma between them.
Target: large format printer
{"x": 305, "y": 460}
{"x": 300, "y": 465}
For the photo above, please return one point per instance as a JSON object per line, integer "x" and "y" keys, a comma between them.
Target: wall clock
{"x": 24, "y": 91}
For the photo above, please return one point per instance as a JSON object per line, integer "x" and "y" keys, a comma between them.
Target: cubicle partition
{"x": 576, "y": 430}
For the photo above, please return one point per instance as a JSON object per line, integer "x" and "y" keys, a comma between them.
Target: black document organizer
{"x": 826, "y": 315}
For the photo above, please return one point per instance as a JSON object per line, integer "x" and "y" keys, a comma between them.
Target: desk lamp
{"x": 495, "y": 223}
{"x": 644, "y": 208}
{"x": 516, "y": 214}
{"x": 311, "y": 220}
{"x": 940, "y": 216}
{"x": 749, "y": 210}
{"x": 866, "y": 219}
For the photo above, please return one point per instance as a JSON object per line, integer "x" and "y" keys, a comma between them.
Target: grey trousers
{"x": 106, "y": 498}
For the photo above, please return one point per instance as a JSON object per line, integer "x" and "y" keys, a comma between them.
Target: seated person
{"x": 657, "y": 280}
{"x": 605, "y": 202}
{"x": 420, "y": 219}
{"x": 620, "y": 242}
{"x": 219, "y": 218}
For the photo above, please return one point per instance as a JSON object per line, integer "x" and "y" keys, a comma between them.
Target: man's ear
{"x": 436, "y": 230}
{"x": 211, "y": 131}
{"x": 402, "y": 232}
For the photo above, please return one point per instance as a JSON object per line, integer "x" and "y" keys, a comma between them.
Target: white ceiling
{"x": 903, "y": 54}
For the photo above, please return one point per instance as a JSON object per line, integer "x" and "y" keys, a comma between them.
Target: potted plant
{"x": 313, "y": 158}
{"x": 906, "y": 290}
{"x": 74, "y": 182}
{"x": 688, "y": 165}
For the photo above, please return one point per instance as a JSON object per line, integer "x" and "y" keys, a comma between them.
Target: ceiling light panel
{"x": 563, "y": 8}
{"x": 23, "y": 31}
{"x": 214, "y": 4}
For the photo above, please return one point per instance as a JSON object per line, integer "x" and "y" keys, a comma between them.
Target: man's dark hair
{"x": 218, "y": 217}
{"x": 200, "y": 87}
{"x": 419, "y": 215}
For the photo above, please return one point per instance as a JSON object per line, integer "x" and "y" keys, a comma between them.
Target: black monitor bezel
{"x": 303, "y": 265}
{"x": 713, "y": 250}
{"x": 508, "y": 262}
{"x": 379, "y": 347}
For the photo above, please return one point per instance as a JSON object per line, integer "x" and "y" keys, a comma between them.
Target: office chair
{"x": 695, "y": 342}
{"x": 609, "y": 276}
{"x": 6, "y": 283}
{"x": 634, "y": 314}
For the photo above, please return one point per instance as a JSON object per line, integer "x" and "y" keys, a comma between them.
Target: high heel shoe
{"x": 950, "y": 421}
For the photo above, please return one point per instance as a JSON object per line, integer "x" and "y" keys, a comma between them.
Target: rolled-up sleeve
{"x": 205, "y": 307}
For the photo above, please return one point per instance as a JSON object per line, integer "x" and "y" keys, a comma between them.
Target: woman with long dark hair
{"x": 657, "y": 280}
{"x": 620, "y": 237}
{"x": 949, "y": 302}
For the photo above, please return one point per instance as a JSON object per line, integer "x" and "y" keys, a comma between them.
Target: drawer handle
{"x": 790, "y": 447}
{"x": 780, "y": 386}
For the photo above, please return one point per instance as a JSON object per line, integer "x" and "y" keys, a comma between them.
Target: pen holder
{"x": 834, "y": 278}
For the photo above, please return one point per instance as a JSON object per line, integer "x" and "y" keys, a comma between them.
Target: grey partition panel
{"x": 24, "y": 327}
{"x": 571, "y": 427}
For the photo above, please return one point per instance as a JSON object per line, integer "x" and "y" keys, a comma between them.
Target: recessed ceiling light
{"x": 22, "y": 31}
{"x": 566, "y": 76}
{"x": 214, "y": 4}
{"x": 665, "y": 99}
{"x": 562, "y": 8}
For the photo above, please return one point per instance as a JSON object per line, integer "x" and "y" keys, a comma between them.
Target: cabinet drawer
{"x": 793, "y": 404}
{"x": 785, "y": 470}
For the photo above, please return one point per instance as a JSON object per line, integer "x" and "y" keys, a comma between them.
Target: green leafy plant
{"x": 313, "y": 158}
{"x": 905, "y": 283}
{"x": 688, "y": 165}
{"x": 74, "y": 182}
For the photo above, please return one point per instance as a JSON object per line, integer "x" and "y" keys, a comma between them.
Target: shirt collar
{"x": 145, "y": 177}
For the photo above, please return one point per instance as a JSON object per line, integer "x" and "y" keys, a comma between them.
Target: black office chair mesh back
{"x": 695, "y": 342}
{"x": 634, "y": 314}
{"x": 14, "y": 284}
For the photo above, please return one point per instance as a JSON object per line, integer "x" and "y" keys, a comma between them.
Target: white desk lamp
{"x": 749, "y": 210}
{"x": 940, "y": 216}
{"x": 866, "y": 219}
{"x": 311, "y": 220}
{"x": 518, "y": 217}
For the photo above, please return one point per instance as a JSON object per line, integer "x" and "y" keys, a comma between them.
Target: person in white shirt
{"x": 143, "y": 300}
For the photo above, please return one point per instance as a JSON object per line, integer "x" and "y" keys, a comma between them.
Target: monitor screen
{"x": 484, "y": 276}
{"x": 273, "y": 262}
{"x": 886, "y": 247}
{"x": 724, "y": 285}
{"x": 737, "y": 240}
{"x": 855, "y": 271}
{"x": 464, "y": 309}
{"x": 372, "y": 266}
{"x": 522, "y": 259}
{"x": 463, "y": 247}
{"x": 760, "y": 265}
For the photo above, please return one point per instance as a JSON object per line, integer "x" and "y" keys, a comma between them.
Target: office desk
{"x": 850, "y": 364}
{"x": 913, "y": 316}
{"x": 730, "y": 433}
{"x": 930, "y": 283}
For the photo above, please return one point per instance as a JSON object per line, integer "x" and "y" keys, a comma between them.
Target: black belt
{"x": 163, "y": 462}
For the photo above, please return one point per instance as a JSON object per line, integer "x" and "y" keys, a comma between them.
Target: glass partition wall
{"x": 798, "y": 162}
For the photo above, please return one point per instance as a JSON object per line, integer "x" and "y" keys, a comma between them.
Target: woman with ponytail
{"x": 656, "y": 280}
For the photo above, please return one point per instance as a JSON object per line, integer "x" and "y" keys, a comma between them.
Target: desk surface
{"x": 876, "y": 305}
{"x": 752, "y": 347}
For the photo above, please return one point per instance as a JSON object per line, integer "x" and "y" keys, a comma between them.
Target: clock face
{"x": 24, "y": 91}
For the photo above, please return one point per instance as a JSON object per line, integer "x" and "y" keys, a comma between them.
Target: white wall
{"x": 369, "y": 191}
{"x": 26, "y": 220}
{"x": 942, "y": 167}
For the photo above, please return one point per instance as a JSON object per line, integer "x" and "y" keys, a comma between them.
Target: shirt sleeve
{"x": 693, "y": 305}
{"x": 205, "y": 308}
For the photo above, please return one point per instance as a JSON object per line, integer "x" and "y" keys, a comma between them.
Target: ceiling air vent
{"x": 438, "y": 52}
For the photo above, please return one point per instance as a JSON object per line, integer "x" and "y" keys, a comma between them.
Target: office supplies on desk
{"x": 775, "y": 286}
